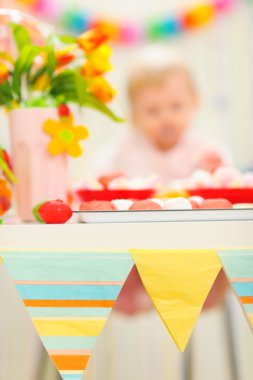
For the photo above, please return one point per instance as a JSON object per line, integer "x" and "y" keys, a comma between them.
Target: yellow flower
{"x": 65, "y": 136}
{"x": 92, "y": 39}
{"x": 101, "y": 89}
{"x": 4, "y": 72}
{"x": 42, "y": 83}
{"x": 98, "y": 62}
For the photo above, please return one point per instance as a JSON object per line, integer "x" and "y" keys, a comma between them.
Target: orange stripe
{"x": 66, "y": 362}
{"x": 241, "y": 279}
{"x": 246, "y": 299}
{"x": 68, "y": 303}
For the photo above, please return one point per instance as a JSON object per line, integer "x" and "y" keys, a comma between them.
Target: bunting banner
{"x": 238, "y": 266}
{"x": 76, "y": 19}
{"x": 178, "y": 283}
{"x": 69, "y": 296}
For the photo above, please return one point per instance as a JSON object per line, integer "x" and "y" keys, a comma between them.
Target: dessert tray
{"x": 146, "y": 216}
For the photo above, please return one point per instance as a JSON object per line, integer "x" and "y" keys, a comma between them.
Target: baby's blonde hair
{"x": 151, "y": 67}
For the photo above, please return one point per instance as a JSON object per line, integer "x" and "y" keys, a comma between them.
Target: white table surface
{"x": 177, "y": 235}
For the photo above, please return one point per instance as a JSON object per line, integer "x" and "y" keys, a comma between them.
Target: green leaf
{"x": 41, "y": 101}
{"x": 51, "y": 60}
{"x": 92, "y": 102}
{"x": 81, "y": 87}
{"x": 67, "y": 39}
{"x": 67, "y": 93}
{"x": 5, "y": 93}
{"x": 48, "y": 68}
{"x": 21, "y": 36}
{"x": 64, "y": 85}
{"x": 67, "y": 74}
{"x": 23, "y": 66}
{"x": 36, "y": 212}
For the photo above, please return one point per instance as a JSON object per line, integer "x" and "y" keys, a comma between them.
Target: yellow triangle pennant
{"x": 178, "y": 283}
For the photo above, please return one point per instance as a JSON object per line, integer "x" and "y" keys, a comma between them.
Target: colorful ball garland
{"x": 76, "y": 21}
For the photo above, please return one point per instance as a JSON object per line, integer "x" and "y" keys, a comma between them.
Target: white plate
{"x": 242, "y": 205}
{"x": 164, "y": 216}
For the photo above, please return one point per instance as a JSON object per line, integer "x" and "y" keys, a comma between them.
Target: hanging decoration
{"x": 76, "y": 20}
{"x": 69, "y": 296}
{"x": 178, "y": 283}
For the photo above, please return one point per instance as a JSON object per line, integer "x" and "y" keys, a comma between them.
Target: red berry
{"x": 55, "y": 212}
{"x": 63, "y": 110}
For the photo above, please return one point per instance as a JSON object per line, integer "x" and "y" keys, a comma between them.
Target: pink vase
{"x": 40, "y": 175}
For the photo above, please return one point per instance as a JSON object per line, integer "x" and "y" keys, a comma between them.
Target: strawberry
{"x": 53, "y": 212}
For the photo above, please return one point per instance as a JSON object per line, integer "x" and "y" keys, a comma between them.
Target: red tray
{"x": 86, "y": 195}
{"x": 240, "y": 195}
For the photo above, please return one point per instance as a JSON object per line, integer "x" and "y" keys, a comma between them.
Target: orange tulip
{"x": 101, "y": 89}
{"x": 98, "y": 62}
{"x": 5, "y": 197}
{"x": 65, "y": 56}
{"x": 4, "y": 72}
{"x": 110, "y": 28}
{"x": 65, "y": 59}
{"x": 92, "y": 39}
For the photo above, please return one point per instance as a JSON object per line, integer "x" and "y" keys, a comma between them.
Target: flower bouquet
{"x": 37, "y": 85}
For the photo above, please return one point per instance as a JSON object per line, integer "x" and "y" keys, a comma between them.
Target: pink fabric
{"x": 135, "y": 155}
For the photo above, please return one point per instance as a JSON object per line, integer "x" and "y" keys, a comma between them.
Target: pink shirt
{"x": 135, "y": 155}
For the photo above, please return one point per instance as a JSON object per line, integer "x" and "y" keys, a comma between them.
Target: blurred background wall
{"x": 221, "y": 56}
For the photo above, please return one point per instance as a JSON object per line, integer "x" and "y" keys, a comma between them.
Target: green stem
{"x": 6, "y": 169}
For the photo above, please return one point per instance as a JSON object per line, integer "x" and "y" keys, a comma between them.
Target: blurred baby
{"x": 163, "y": 104}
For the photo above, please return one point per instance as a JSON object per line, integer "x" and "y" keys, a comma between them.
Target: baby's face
{"x": 163, "y": 112}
